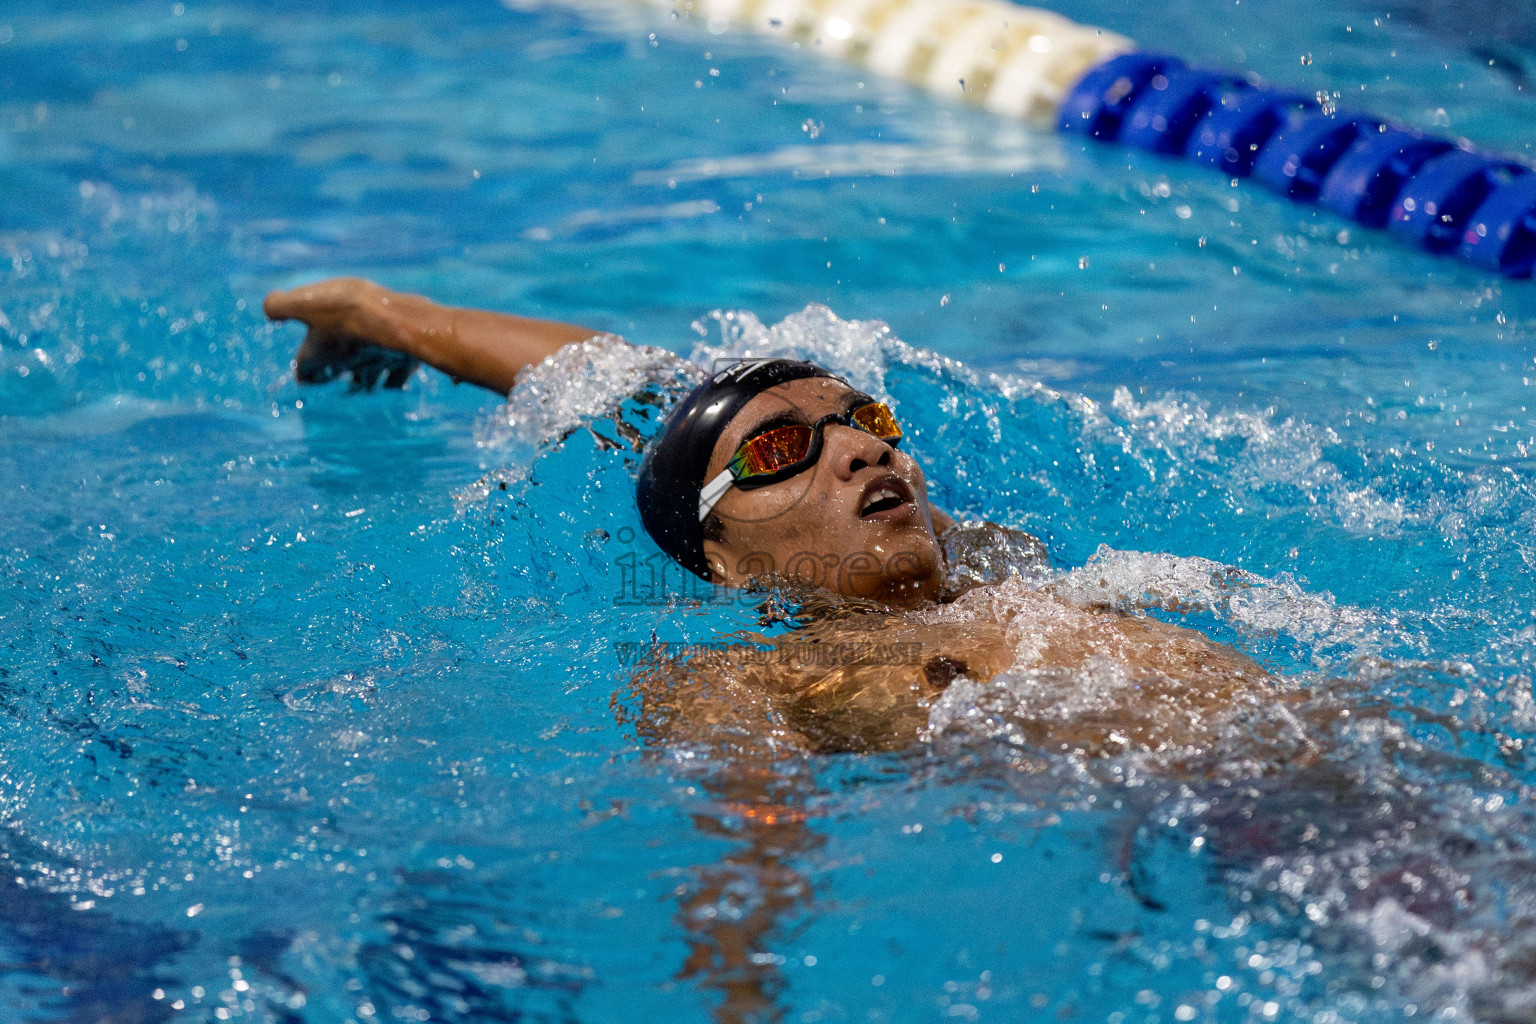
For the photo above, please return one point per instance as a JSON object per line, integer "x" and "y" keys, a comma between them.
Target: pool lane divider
{"x": 1032, "y": 64}
{"x": 1428, "y": 191}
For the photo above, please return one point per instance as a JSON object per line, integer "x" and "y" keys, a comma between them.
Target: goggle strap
{"x": 713, "y": 491}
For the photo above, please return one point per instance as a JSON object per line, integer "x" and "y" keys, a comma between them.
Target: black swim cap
{"x": 672, "y": 472}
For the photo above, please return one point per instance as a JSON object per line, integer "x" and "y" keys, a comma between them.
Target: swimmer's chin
{"x": 913, "y": 593}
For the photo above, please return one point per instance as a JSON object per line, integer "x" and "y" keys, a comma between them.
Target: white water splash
{"x": 1284, "y": 454}
{"x": 582, "y": 382}
{"x": 1254, "y": 605}
{"x": 860, "y": 350}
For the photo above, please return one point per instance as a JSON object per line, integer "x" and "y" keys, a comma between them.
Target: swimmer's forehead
{"x": 799, "y": 401}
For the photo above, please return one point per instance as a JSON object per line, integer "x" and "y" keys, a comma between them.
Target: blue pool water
{"x": 308, "y": 695}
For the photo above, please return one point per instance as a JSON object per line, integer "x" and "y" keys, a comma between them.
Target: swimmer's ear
{"x": 714, "y": 570}
{"x": 712, "y": 529}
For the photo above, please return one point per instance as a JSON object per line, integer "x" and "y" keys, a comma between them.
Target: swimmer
{"x": 767, "y": 463}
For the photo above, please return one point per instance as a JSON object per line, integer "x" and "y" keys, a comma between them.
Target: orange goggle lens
{"x": 877, "y": 419}
{"x": 771, "y": 452}
{"x": 786, "y": 447}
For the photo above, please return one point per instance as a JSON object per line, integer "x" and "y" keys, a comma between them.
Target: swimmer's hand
{"x": 351, "y": 330}
{"x": 324, "y": 357}
{"x": 361, "y": 328}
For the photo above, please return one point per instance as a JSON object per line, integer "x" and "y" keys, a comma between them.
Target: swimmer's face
{"x": 857, "y": 522}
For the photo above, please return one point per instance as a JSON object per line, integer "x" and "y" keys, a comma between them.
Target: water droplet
{"x": 1082, "y": 263}
{"x": 1306, "y": 59}
{"x": 944, "y": 300}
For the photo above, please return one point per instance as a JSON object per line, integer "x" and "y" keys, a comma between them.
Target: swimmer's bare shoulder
{"x": 850, "y": 685}
{"x": 867, "y": 682}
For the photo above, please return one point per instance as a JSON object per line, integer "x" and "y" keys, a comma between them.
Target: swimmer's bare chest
{"x": 869, "y": 682}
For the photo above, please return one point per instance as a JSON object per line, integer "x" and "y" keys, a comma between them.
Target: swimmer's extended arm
{"x": 348, "y": 316}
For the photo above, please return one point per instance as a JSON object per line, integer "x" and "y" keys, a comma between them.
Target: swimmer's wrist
{"x": 399, "y": 320}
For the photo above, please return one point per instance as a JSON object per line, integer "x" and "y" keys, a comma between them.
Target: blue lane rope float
{"x": 1035, "y": 65}
{"x": 1426, "y": 190}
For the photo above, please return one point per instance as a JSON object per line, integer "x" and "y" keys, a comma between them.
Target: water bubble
{"x": 1082, "y": 263}
{"x": 1306, "y": 59}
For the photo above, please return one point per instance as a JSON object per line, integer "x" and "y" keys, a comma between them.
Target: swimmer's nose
{"x": 850, "y": 450}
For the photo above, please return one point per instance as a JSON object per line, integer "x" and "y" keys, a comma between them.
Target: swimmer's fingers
{"x": 365, "y": 375}
{"x": 326, "y": 355}
{"x": 370, "y": 362}
{"x": 401, "y": 371}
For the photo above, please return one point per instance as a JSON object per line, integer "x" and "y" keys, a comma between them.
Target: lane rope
{"x": 1035, "y": 65}
{"x": 1016, "y": 61}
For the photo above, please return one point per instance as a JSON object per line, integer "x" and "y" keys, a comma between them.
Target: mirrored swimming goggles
{"x": 780, "y": 453}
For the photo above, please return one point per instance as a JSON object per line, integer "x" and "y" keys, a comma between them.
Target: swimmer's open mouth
{"x": 884, "y": 497}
